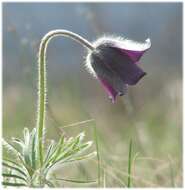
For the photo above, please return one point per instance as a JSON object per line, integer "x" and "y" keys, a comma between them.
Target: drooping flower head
{"x": 114, "y": 62}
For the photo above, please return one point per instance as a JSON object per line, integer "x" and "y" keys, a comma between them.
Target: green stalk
{"x": 98, "y": 156}
{"x": 129, "y": 164}
{"x": 42, "y": 82}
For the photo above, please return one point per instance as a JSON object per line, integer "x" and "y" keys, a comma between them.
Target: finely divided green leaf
{"x": 26, "y": 149}
{"x": 50, "y": 150}
{"x": 88, "y": 156}
{"x": 13, "y": 184}
{"x": 15, "y": 168}
{"x": 74, "y": 152}
{"x": 14, "y": 176}
{"x": 11, "y": 149}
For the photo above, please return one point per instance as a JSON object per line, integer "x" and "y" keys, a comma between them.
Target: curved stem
{"x": 42, "y": 86}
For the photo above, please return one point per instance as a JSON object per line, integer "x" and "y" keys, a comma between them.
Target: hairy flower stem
{"x": 42, "y": 82}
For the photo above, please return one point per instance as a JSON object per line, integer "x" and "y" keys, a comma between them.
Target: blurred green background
{"x": 151, "y": 113}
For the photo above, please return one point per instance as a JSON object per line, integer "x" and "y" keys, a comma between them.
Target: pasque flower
{"x": 114, "y": 62}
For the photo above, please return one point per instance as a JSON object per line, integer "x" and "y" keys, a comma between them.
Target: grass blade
{"x": 98, "y": 155}
{"x": 129, "y": 164}
{"x": 77, "y": 123}
{"x": 76, "y": 181}
{"x": 171, "y": 172}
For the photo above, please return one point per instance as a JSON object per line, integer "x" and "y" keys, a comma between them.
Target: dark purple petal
{"x": 112, "y": 93}
{"x": 133, "y": 49}
{"x": 134, "y": 55}
{"x": 115, "y": 63}
{"x": 118, "y": 63}
{"x": 113, "y": 90}
{"x": 110, "y": 80}
{"x": 130, "y": 73}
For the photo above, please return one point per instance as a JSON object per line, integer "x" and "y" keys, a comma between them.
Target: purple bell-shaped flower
{"x": 114, "y": 62}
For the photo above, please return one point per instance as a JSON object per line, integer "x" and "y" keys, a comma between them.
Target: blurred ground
{"x": 151, "y": 113}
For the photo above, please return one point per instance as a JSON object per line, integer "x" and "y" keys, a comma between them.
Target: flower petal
{"x": 110, "y": 80}
{"x": 120, "y": 65}
{"x": 114, "y": 62}
{"x": 130, "y": 73}
{"x": 134, "y": 55}
{"x": 133, "y": 49}
{"x": 112, "y": 93}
